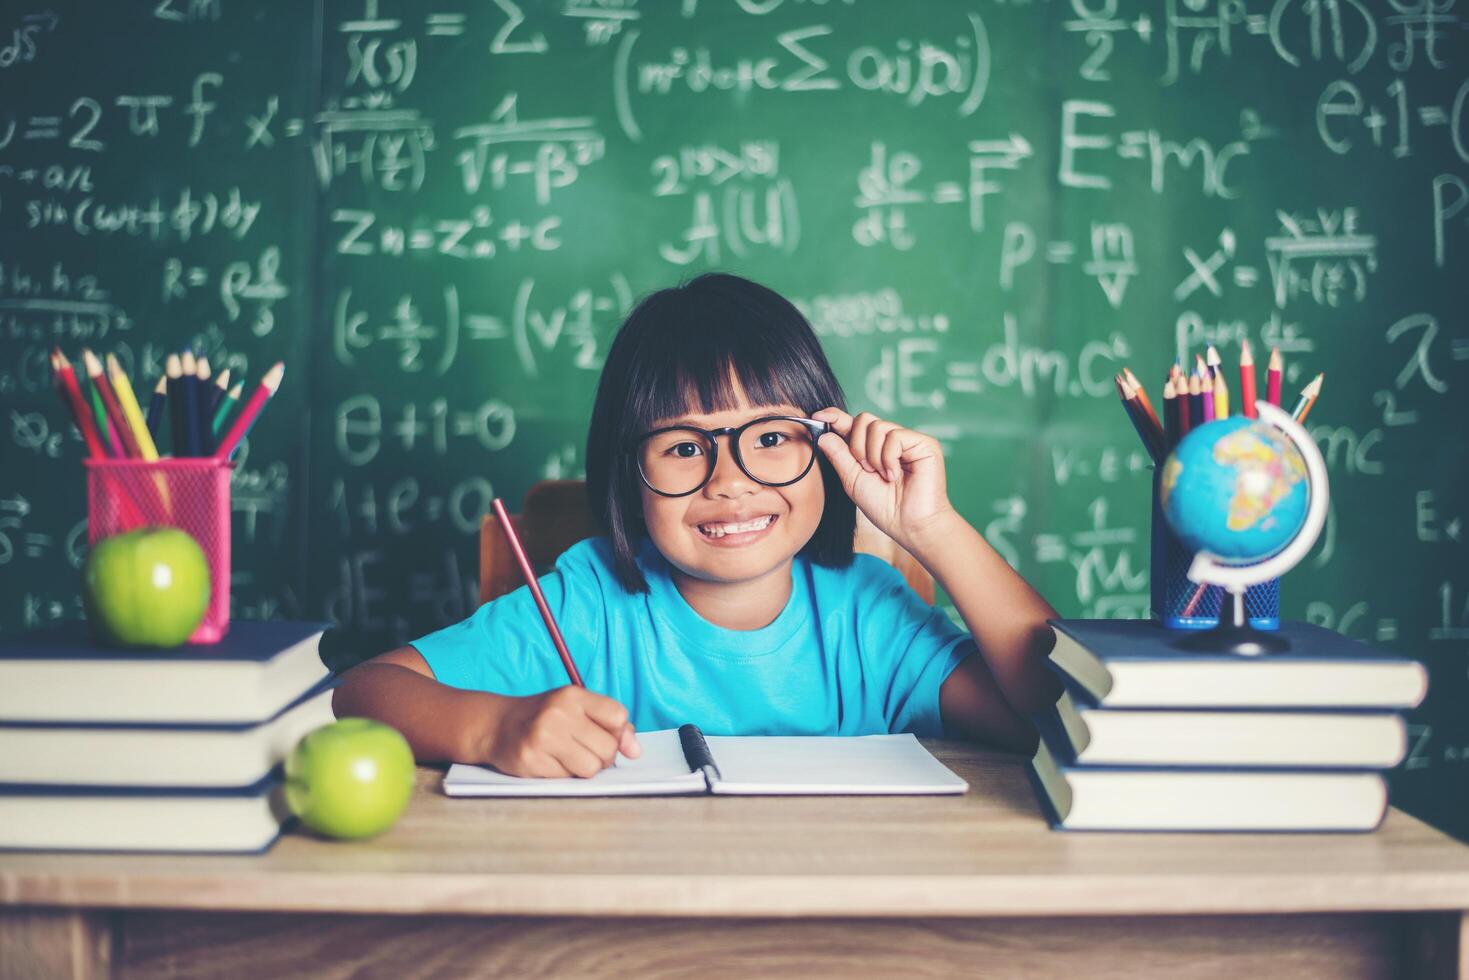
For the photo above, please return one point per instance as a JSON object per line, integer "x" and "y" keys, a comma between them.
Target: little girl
{"x": 725, "y": 472}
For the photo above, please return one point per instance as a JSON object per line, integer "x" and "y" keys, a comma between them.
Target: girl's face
{"x": 734, "y": 529}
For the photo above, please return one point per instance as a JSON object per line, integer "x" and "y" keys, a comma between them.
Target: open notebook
{"x": 683, "y": 761}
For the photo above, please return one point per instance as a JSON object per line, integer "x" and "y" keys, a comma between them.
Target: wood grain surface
{"x": 987, "y": 853}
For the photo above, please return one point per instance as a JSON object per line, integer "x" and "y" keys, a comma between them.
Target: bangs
{"x": 699, "y": 360}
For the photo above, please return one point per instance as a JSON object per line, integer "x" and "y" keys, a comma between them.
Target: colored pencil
{"x": 221, "y": 388}
{"x": 178, "y": 424}
{"x": 1170, "y": 415}
{"x": 1221, "y": 397}
{"x": 1246, "y": 380}
{"x": 1206, "y": 389}
{"x": 72, "y": 393}
{"x": 155, "y": 406}
{"x": 189, "y": 386}
{"x": 1193, "y": 601}
{"x": 110, "y": 438}
{"x": 132, "y": 414}
{"x": 1142, "y": 397}
{"x": 535, "y": 591}
{"x": 246, "y": 419}
{"x": 1121, "y": 386}
{"x": 225, "y": 405}
{"x": 1272, "y": 377}
{"x": 115, "y": 415}
{"x": 122, "y": 389}
{"x": 1221, "y": 389}
{"x": 1152, "y": 439}
{"x": 204, "y": 389}
{"x": 1309, "y": 394}
{"x": 1196, "y": 401}
{"x": 1185, "y": 415}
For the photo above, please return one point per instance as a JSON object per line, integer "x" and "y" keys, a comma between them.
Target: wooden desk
{"x": 738, "y": 886}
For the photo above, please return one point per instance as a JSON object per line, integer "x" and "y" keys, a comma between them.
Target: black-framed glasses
{"x": 774, "y": 450}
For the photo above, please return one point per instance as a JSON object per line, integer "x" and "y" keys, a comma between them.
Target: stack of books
{"x": 1147, "y": 737}
{"x": 154, "y": 750}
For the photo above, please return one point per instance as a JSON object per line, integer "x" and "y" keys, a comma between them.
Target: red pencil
{"x": 72, "y": 392}
{"x": 115, "y": 415}
{"x": 535, "y": 590}
{"x": 253, "y": 408}
{"x": 1272, "y": 378}
{"x": 1246, "y": 380}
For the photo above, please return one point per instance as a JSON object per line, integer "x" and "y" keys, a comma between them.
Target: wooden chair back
{"x": 555, "y": 516}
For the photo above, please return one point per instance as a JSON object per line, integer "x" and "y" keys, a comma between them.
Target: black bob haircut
{"x": 681, "y": 350}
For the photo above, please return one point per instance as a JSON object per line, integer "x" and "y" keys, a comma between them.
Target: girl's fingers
{"x": 628, "y": 743}
{"x": 854, "y": 438}
{"x": 546, "y": 767}
{"x": 579, "y": 760}
{"x": 877, "y": 434}
{"x": 600, "y": 742}
{"x": 602, "y": 710}
{"x": 841, "y": 422}
{"x": 841, "y": 458}
{"x": 892, "y": 454}
{"x": 873, "y": 444}
{"x": 857, "y": 439}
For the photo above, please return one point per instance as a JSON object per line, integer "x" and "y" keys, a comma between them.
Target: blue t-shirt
{"x": 854, "y": 652}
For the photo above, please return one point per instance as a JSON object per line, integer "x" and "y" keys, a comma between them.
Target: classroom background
{"x": 436, "y": 216}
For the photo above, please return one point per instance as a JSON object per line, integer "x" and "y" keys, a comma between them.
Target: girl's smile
{"x": 734, "y": 532}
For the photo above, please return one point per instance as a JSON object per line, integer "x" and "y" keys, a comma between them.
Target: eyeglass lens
{"x": 772, "y": 451}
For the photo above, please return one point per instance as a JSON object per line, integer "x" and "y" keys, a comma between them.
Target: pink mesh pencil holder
{"x": 190, "y": 494}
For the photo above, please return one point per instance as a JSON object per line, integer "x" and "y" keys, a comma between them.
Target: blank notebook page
{"x": 861, "y": 765}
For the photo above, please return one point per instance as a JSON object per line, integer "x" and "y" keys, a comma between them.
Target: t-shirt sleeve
{"x": 504, "y": 646}
{"x": 910, "y": 644}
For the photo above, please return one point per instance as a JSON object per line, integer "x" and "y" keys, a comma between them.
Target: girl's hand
{"x": 568, "y": 731}
{"x": 895, "y": 475}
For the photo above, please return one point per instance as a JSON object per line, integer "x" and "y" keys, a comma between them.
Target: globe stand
{"x": 1234, "y": 634}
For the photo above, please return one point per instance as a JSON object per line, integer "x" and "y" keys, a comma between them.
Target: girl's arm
{"x": 567, "y": 731}
{"x": 896, "y": 476}
{"x": 1006, "y": 617}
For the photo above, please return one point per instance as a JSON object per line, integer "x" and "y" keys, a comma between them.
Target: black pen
{"x": 696, "y": 752}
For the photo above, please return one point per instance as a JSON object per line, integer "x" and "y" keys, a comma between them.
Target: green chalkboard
{"x": 438, "y": 215}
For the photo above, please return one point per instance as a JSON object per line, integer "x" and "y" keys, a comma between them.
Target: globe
{"x": 1235, "y": 488}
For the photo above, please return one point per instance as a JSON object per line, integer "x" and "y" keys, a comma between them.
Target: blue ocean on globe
{"x": 1236, "y": 488}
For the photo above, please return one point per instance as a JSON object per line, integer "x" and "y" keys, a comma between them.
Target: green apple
{"x": 351, "y": 778}
{"x": 148, "y": 587}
